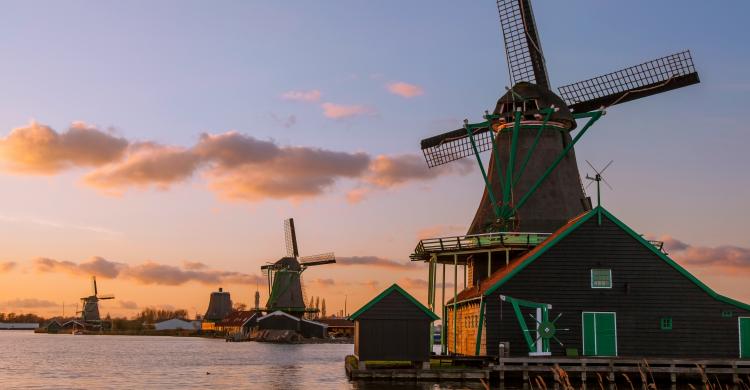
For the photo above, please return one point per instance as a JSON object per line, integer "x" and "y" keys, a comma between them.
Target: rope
{"x": 667, "y": 81}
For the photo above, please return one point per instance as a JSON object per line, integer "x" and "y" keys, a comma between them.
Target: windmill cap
{"x": 530, "y": 99}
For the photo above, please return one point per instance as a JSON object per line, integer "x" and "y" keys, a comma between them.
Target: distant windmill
{"x": 598, "y": 178}
{"x": 90, "y": 311}
{"x": 285, "y": 291}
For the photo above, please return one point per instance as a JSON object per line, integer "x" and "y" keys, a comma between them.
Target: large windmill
{"x": 532, "y": 182}
{"x": 90, "y": 310}
{"x": 285, "y": 291}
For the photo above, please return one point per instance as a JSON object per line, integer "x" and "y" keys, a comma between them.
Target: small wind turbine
{"x": 598, "y": 178}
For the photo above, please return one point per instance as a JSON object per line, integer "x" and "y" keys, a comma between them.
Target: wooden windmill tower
{"x": 285, "y": 290}
{"x": 532, "y": 182}
{"x": 90, "y": 304}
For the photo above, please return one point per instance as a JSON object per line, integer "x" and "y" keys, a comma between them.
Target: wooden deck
{"x": 619, "y": 369}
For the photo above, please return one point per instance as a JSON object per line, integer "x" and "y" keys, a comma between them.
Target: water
{"x": 41, "y": 361}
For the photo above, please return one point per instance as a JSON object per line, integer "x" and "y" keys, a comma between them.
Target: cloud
{"x": 287, "y": 122}
{"x": 324, "y": 282}
{"x": 235, "y": 166}
{"x": 146, "y": 164}
{"x": 310, "y": 96}
{"x": 390, "y": 171}
{"x": 29, "y": 303}
{"x": 372, "y": 284}
{"x": 419, "y": 284}
{"x": 340, "y": 111}
{"x": 726, "y": 257}
{"x": 374, "y": 261}
{"x": 130, "y": 305}
{"x": 38, "y": 149}
{"x": 193, "y": 265}
{"x": 148, "y": 272}
{"x": 405, "y": 90}
{"x": 7, "y": 266}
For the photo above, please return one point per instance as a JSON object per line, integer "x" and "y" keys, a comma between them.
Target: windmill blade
{"x": 522, "y": 48}
{"x": 267, "y": 266}
{"x": 93, "y": 286}
{"x": 323, "y": 258}
{"x": 291, "y": 238}
{"x": 592, "y": 167}
{"x": 607, "y": 166}
{"x": 605, "y": 182}
{"x": 646, "y": 79}
{"x": 106, "y": 296}
{"x": 454, "y": 145}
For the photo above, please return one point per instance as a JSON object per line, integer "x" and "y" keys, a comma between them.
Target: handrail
{"x": 473, "y": 241}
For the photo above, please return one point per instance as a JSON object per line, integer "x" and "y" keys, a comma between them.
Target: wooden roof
{"x": 395, "y": 288}
{"x": 501, "y": 276}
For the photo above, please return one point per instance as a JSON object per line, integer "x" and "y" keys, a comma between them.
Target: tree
{"x": 323, "y": 308}
{"x": 240, "y": 306}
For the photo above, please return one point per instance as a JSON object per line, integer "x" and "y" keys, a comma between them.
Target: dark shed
{"x": 279, "y": 320}
{"x": 314, "y": 329}
{"x": 393, "y": 326}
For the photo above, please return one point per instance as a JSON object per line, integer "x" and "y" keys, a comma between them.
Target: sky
{"x": 160, "y": 145}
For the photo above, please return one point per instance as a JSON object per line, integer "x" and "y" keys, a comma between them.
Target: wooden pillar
{"x": 455, "y": 298}
{"x": 444, "y": 336}
{"x": 464, "y": 276}
{"x": 507, "y": 257}
{"x": 489, "y": 264}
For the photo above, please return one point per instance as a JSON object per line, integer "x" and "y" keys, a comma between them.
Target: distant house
{"x": 53, "y": 326}
{"x": 177, "y": 324}
{"x": 240, "y": 322}
{"x": 339, "y": 327}
{"x": 393, "y": 326}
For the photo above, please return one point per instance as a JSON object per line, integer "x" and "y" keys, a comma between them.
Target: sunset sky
{"x": 160, "y": 145}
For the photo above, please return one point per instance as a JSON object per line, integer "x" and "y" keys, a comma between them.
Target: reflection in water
{"x": 134, "y": 362}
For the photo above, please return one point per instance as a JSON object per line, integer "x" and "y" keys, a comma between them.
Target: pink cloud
{"x": 339, "y": 111}
{"x": 310, "y": 96}
{"x": 729, "y": 258}
{"x": 405, "y": 90}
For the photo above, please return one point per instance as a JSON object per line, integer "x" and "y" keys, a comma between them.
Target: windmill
{"x": 532, "y": 182}
{"x": 285, "y": 291}
{"x": 90, "y": 304}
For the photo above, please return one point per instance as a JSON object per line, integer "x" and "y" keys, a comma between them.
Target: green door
{"x": 745, "y": 337}
{"x": 599, "y": 334}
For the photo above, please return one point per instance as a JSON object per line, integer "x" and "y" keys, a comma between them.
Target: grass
{"x": 647, "y": 381}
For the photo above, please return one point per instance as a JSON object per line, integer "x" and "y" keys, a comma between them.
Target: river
{"x": 43, "y": 361}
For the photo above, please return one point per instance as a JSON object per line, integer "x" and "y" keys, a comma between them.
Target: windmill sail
{"x": 522, "y": 48}
{"x": 320, "y": 259}
{"x": 454, "y": 145}
{"x": 291, "y": 238}
{"x": 646, "y": 79}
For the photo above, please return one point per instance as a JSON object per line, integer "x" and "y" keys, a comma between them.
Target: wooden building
{"x": 596, "y": 288}
{"x": 393, "y": 326}
{"x": 239, "y": 322}
{"x": 282, "y": 321}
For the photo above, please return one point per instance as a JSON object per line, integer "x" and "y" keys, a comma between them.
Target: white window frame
{"x": 609, "y": 270}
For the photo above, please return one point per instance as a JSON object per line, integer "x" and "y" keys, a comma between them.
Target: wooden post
{"x": 611, "y": 375}
{"x": 489, "y": 264}
{"x": 583, "y": 374}
{"x": 672, "y": 375}
{"x": 507, "y": 257}
{"x": 443, "y": 332}
{"x": 525, "y": 372}
{"x": 455, "y": 298}
{"x": 464, "y": 276}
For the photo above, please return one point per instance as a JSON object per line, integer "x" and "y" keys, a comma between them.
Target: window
{"x": 601, "y": 278}
{"x": 727, "y": 314}
{"x": 665, "y": 323}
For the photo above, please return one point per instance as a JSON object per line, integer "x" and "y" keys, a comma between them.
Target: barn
{"x": 594, "y": 287}
{"x": 393, "y": 326}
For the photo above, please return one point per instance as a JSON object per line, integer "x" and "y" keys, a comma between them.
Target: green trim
{"x": 388, "y": 291}
{"x": 676, "y": 266}
{"x": 545, "y": 246}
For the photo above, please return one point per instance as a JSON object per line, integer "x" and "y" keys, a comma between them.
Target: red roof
{"x": 337, "y": 322}
{"x": 486, "y": 284}
{"x": 237, "y": 318}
